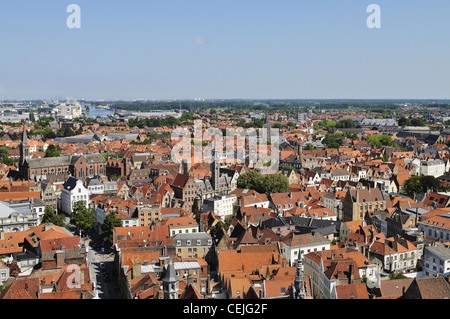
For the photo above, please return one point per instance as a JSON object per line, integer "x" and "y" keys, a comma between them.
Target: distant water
{"x": 95, "y": 111}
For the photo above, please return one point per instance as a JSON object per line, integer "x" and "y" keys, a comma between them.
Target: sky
{"x": 225, "y": 49}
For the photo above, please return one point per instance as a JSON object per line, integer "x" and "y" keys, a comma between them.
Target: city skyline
{"x": 232, "y": 50}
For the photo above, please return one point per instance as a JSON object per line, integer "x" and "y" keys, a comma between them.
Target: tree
{"x": 32, "y": 118}
{"x": 50, "y": 216}
{"x": 4, "y": 156}
{"x": 380, "y": 140}
{"x": 421, "y": 184}
{"x": 276, "y": 183}
{"x": 53, "y": 151}
{"x": 109, "y": 223}
{"x": 251, "y": 180}
{"x": 82, "y": 217}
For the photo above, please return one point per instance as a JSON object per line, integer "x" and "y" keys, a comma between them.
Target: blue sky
{"x": 187, "y": 49}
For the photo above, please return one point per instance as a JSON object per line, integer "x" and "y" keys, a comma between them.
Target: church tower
{"x": 24, "y": 155}
{"x": 215, "y": 170}
{"x": 170, "y": 282}
{"x": 299, "y": 287}
{"x": 267, "y": 127}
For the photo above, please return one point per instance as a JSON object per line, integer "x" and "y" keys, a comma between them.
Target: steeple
{"x": 299, "y": 287}
{"x": 215, "y": 169}
{"x": 25, "y": 136}
{"x": 24, "y": 146}
{"x": 170, "y": 282}
{"x": 267, "y": 121}
{"x": 24, "y": 155}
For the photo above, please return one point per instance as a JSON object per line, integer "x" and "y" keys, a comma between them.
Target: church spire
{"x": 299, "y": 287}
{"x": 170, "y": 282}
{"x": 25, "y": 136}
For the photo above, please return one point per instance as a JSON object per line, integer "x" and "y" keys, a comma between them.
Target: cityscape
{"x": 181, "y": 169}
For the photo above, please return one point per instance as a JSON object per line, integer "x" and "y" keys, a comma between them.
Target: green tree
{"x": 421, "y": 184}
{"x": 276, "y": 183}
{"x": 82, "y": 217}
{"x": 53, "y": 151}
{"x": 4, "y": 156}
{"x": 31, "y": 117}
{"x": 251, "y": 180}
{"x": 50, "y": 216}
{"x": 111, "y": 221}
{"x": 380, "y": 140}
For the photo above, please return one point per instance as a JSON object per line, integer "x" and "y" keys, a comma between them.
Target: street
{"x": 101, "y": 271}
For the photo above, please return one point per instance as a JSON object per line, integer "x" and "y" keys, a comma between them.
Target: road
{"x": 95, "y": 258}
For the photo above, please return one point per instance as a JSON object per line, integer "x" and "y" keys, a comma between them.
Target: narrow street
{"x": 101, "y": 271}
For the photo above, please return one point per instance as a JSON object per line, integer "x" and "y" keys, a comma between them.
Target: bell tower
{"x": 24, "y": 155}
{"x": 170, "y": 282}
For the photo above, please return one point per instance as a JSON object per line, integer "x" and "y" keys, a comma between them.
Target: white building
{"x": 220, "y": 205}
{"x": 432, "y": 167}
{"x": 437, "y": 227}
{"x": 95, "y": 187}
{"x": 72, "y": 192}
{"x": 16, "y": 217}
{"x": 294, "y": 244}
{"x": 436, "y": 261}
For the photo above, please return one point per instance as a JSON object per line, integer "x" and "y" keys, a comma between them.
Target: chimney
{"x": 82, "y": 282}
{"x": 59, "y": 258}
{"x": 26, "y": 286}
{"x": 2, "y": 235}
{"x": 351, "y": 275}
{"x": 136, "y": 270}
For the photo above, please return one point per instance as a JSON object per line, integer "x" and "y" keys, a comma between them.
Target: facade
{"x": 358, "y": 202}
{"x": 432, "y": 167}
{"x": 48, "y": 195}
{"x": 72, "y": 192}
{"x": 193, "y": 245}
{"x": 148, "y": 214}
{"x": 295, "y": 244}
{"x": 220, "y": 205}
{"x": 436, "y": 261}
{"x": 436, "y": 228}
{"x": 17, "y": 217}
{"x": 181, "y": 225}
{"x": 394, "y": 254}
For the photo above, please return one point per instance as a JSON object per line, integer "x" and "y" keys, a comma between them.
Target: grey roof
{"x": 379, "y": 122}
{"x": 50, "y": 161}
{"x": 70, "y": 183}
{"x": 95, "y": 182}
{"x": 5, "y": 210}
{"x": 186, "y": 265}
{"x": 170, "y": 275}
{"x": 439, "y": 251}
{"x": 202, "y": 236}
